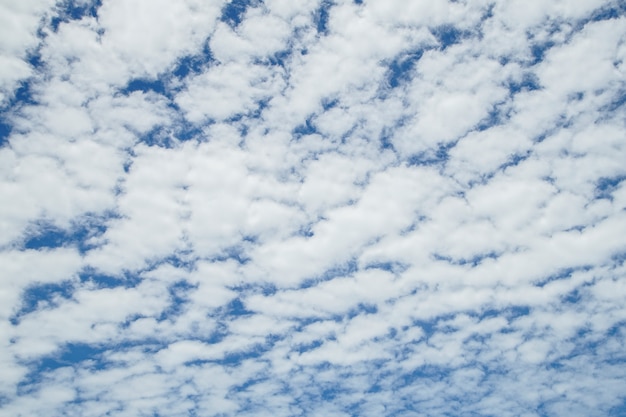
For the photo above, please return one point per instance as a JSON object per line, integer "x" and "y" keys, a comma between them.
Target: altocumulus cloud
{"x": 328, "y": 208}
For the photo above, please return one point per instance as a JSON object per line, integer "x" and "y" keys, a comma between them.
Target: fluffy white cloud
{"x": 322, "y": 208}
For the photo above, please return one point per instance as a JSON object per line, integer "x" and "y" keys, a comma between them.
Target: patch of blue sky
{"x": 538, "y": 51}
{"x": 93, "y": 357}
{"x": 306, "y": 230}
{"x": 494, "y": 118}
{"x": 24, "y": 95}
{"x": 556, "y": 33}
{"x": 237, "y": 308}
{"x": 75, "y": 353}
{"x": 42, "y": 296}
{"x": 577, "y": 96}
{"x": 488, "y": 12}
{"x": 322, "y": 16}
{"x": 612, "y": 10}
{"x": 280, "y": 59}
{"x": 511, "y": 313}
{"x": 448, "y": 35}
{"x": 424, "y": 372}
{"x": 618, "y": 410}
{"x": 300, "y": 324}
{"x": 128, "y": 279}
{"x": 243, "y": 121}
{"x": 166, "y": 137}
{"x": 246, "y": 288}
{"x": 573, "y": 297}
{"x": 387, "y": 133}
{"x": 386, "y": 140}
{"x": 432, "y": 157}
{"x": 586, "y": 343}
{"x": 245, "y": 386}
{"x": 5, "y": 132}
{"x": 329, "y": 103}
{"x": 618, "y": 330}
{"x": 400, "y": 69}
{"x": 235, "y": 119}
{"x": 393, "y": 267}
{"x": 74, "y": 10}
{"x": 145, "y": 85}
{"x": 309, "y": 346}
{"x": 44, "y": 235}
{"x": 236, "y": 253}
{"x": 429, "y": 327}
{"x": 442, "y": 324}
{"x": 481, "y": 179}
{"x": 606, "y": 186}
{"x": 330, "y": 392}
{"x": 183, "y": 259}
{"x": 339, "y": 270}
{"x": 184, "y": 131}
{"x": 616, "y": 103}
{"x": 306, "y": 128}
{"x": 216, "y": 336}
{"x": 473, "y": 261}
{"x": 544, "y": 135}
{"x": 515, "y": 159}
{"x": 190, "y": 65}
{"x": 179, "y": 298}
{"x": 71, "y": 355}
{"x": 362, "y": 308}
{"x": 326, "y": 390}
{"x": 237, "y": 357}
{"x": 619, "y": 258}
{"x": 562, "y": 274}
{"x": 33, "y": 56}
{"x": 234, "y": 11}
{"x": 257, "y": 351}
{"x": 358, "y": 310}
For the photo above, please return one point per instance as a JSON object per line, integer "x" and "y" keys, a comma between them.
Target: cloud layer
{"x": 312, "y": 208}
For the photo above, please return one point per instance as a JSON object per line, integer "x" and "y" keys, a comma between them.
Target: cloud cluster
{"x": 312, "y": 208}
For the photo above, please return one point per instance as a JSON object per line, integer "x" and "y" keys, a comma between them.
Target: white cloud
{"x": 339, "y": 208}
{"x": 225, "y": 91}
{"x": 149, "y": 35}
{"x": 19, "y": 23}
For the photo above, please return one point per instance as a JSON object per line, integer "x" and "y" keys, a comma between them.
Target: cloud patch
{"x": 329, "y": 208}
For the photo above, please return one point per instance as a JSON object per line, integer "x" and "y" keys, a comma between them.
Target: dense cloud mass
{"x": 313, "y": 208}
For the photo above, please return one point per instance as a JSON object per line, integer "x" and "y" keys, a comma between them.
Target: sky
{"x": 313, "y": 208}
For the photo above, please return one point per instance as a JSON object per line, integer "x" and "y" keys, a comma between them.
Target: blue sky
{"x": 333, "y": 208}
